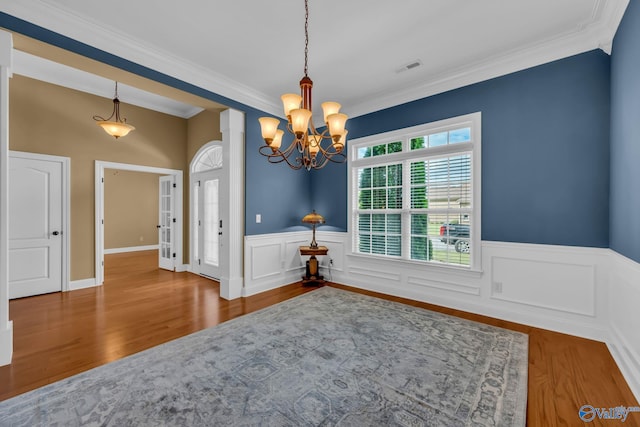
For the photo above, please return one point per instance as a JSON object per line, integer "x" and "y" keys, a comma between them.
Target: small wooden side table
{"x": 312, "y": 275}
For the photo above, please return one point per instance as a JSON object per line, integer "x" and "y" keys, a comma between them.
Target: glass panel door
{"x": 165, "y": 224}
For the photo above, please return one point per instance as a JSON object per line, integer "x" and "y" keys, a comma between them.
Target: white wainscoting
{"x": 587, "y": 292}
{"x": 560, "y": 288}
{"x": 624, "y": 318}
{"x": 273, "y": 260}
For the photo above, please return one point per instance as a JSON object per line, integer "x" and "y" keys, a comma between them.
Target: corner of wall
{"x": 6, "y": 344}
{"x": 624, "y": 318}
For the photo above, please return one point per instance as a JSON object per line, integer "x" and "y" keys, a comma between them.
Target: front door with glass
{"x": 208, "y": 224}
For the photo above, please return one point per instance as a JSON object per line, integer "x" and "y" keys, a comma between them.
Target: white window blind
{"x": 413, "y": 193}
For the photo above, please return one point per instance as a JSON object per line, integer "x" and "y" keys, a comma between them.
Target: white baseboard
{"x": 82, "y": 284}
{"x": 6, "y": 344}
{"x": 131, "y": 249}
{"x": 181, "y": 268}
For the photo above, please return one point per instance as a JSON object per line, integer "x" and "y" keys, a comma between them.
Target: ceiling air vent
{"x": 410, "y": 66}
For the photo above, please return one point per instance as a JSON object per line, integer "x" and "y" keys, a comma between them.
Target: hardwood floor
{"x": 139, "y": 306}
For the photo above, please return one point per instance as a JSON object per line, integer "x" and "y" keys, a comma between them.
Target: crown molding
{"x": 597, "y": 33}
{"x": 79, "y": 28}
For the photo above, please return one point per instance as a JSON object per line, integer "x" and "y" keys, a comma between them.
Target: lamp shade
{"x": 290, "y": 101}
{"x": 300, "y": 120}
{"x": 115, "y": 129}
{"x": 313, "y": 218}
{"x": 336, "y": 124}
{"x": 329, "y": 108}
{"x": 340, "y": 144}
{"x": 268, "y": 126}
{"x": 277, "y": 141}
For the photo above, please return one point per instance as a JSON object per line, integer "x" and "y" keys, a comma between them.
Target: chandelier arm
{"x": 282, "y": 156}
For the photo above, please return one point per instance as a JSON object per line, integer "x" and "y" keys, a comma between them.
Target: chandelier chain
{"x": 306, "y": 38}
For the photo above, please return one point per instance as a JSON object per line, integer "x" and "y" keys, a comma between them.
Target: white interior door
{"x": 209, "y": 223}
{"x": 35, "y": 227}
{"x": 166, "y": 224}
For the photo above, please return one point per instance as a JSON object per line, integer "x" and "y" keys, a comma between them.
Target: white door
{"x": 166, "y": 224}
{"x": 209, "y": 225}
{"x": 35, "y": 227}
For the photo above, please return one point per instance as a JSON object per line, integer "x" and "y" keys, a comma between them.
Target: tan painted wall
{"x": 130, "y": 209}
{"x": 202, "y": 128}
{"x": 49, "y": 119}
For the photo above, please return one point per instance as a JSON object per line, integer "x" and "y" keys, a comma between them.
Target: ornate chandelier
{"x": 117, "y": 127}
{"x": 309, "y": 149}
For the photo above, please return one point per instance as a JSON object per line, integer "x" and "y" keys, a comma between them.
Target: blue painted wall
{"x": 545, "y": 151}
{"x": 625, "y": 136}
{"x": 278, "y": 193}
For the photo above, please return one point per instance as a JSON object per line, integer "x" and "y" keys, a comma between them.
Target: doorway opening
{"x": 169, "y": 214}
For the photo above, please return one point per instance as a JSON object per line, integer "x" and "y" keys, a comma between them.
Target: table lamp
{"x": 313, "y": 218}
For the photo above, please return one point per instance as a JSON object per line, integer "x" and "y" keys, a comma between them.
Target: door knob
{"x": 55, "y": 233}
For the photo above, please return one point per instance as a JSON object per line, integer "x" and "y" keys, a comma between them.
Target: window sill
{"x": 433, "y": 267}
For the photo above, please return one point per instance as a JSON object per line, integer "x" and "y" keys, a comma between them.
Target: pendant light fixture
{"x": 117, "y": 127}
{"x": 310, "y": 148}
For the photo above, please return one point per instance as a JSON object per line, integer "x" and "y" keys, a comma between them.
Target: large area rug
{"x": 326, "y": 358}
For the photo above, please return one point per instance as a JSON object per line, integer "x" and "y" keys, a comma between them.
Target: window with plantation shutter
{"x": 415, "y": 193}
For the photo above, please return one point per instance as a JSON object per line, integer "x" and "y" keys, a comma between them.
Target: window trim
{"x": 474, "y": 121}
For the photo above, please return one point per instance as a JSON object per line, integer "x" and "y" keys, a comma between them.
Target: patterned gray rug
{"x": 325, "y": 358}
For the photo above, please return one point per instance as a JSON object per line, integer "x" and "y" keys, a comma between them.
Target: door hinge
{"x": 199, "y": 223}
{"x": 174, "y": 185}
{"x": 174, "y": 254}
{"x": 102, "y": 179}
{"x": 220, "y": 223}
{"x": 198, "y": 262}
{"x": 175, "y": 220}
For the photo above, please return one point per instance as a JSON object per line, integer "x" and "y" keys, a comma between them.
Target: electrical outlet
{"x": 497, "y": 287}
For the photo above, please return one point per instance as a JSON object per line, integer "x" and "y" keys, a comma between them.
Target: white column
{"x": 232, "y": 279}
{"x": 6, "y": 327}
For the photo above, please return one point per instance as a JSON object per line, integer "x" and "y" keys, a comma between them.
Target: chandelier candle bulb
{"x": 269, "y": 126}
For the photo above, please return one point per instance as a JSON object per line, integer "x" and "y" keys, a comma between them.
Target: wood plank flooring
{"x": 139, "y": 306}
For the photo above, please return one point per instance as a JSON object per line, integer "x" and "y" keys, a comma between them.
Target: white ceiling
{"x": 253, "y": 51}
